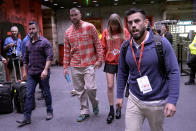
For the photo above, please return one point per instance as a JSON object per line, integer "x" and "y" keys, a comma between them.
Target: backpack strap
{"x": 124, "y": 52}
{"x": 159, "y": 50}
{"x": 124, "y": 48}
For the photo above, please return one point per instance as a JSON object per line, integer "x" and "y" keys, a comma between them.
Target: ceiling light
{"x": 55, "y": 4}
{"x": 75, "y": 2}
{"x": 152, "y": 1}
{"x": 79, "y": 6}
{"x": 133, "y": 2}
{"x": 174, "y": 0}
{"x": 94, "y": 1}
{"x": 115, "y": 0}
{"x": 46, "y": 0}
{"x": 115, "y": 3}
{"x": 97, "y": 5}
{"x": 88, "y": 14}
{"x": 62, "y": 7}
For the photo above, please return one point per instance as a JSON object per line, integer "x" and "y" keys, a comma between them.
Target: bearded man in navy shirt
{"x": 37, "y": 60}
{"x": 153, "y": 93}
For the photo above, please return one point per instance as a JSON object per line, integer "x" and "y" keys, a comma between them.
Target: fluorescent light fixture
{"x": 174, "y": 0}
{"x": 185, "y": 23}
{"x": 62, "y": 7}
{"x": 152, "y": 2}
{"x": 55, "y": 4}
{"x": 75, "y": 2}
{"x": 94, "y": 1}
{"x": 115, "y": 0}
{"x": 46, "y": 0}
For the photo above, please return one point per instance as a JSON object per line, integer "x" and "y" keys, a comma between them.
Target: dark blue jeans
{"x": 32, "y": 82}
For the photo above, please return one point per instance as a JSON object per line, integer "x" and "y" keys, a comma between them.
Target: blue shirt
{"x": 18, "y": 42}
{"x": 24, "y": 41}
{"x": 162, "y": 87}
{"x": 36, "y": 55}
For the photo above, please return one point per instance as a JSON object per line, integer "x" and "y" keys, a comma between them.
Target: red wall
{"x": 61, "y": 54}
{"x": 21, "y": 12}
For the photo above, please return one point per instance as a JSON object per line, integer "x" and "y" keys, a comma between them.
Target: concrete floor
{"x": 66, "y": 110}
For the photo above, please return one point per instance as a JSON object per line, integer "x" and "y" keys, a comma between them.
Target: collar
{"x": 150, "y": 38}
{"x": 14, "y": 39}
{"x": 146, "y": 38}
{"x": 81, "y": 22}
{"x": 39, "y": 39}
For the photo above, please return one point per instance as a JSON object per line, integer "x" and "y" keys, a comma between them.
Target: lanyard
{"x": 141, "y": 52}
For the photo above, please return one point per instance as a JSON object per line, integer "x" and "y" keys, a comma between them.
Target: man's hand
{"x": 24, "y": 75}
{"x": 66, "y": 71}
{"x": 169, "y": 110}
{"x": 11, "y": 44}
{"x": 44, "y": 74}
{"x": 119, "y": 102}
{"x": 98, "y": 64}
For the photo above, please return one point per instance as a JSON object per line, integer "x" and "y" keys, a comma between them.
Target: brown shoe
{"x": 23, "y": 122}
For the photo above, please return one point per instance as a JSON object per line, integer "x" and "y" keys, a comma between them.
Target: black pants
{"x": 192, "y": 64}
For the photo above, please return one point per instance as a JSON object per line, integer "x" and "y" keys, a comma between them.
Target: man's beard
{"x": 141, "y": 33}
{"x": 75, "y": 22}
{"x": 32, "y": 35}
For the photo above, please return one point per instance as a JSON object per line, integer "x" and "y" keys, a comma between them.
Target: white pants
{"x": 84, "y": 83}
{"x": 137, "y": 112}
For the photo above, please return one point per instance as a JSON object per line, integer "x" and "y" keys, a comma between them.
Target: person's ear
{"x": 146, "y": 21}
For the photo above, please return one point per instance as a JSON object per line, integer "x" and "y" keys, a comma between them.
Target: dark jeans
{"x": 32, "y": 82}
{"x": 192, "y": 64}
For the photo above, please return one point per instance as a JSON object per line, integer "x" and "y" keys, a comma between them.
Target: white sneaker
{"x": 73, "y": 92}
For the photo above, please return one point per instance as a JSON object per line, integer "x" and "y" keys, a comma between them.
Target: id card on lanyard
{"x": 142, "y": 81}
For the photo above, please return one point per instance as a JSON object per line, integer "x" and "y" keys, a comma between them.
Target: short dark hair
{"x": 34, "y": 22}
{"x": 135, "y": 10}
{"x": 74, "y": 8}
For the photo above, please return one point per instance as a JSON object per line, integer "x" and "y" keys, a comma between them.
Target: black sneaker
{"x": 24, "y": 122}
{"x": 190, "y": 83}
{"x": 110, "y": 118}
{"x": 49, "y": 116}
{"x": 118, "y": 113}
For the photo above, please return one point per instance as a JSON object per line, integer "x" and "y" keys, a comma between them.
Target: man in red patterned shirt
{"x": 83, "y": 52}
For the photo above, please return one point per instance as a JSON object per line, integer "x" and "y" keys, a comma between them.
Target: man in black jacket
{"x": 165, "y": 33}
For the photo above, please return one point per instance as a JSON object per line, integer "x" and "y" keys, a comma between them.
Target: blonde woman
{"x": 112, "y": 38}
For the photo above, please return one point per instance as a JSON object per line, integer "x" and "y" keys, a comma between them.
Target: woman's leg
{"x": 110, "y": 92}
{"x": 110, "y": 88}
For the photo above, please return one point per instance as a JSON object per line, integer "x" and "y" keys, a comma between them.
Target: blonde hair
{"x": 115, "y": 19}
